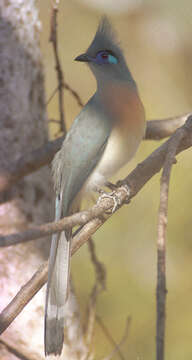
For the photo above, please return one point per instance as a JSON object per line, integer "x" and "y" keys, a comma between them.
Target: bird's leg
{"x": 112, "y": 195}
{"x": 111, "y": 186}
{"x": 126, "y": 188}
{"x": 121, "y": 184}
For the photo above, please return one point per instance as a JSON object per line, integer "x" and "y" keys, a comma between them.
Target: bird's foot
{"x": 112, "y": 195}
{"x": 123, "y": 186}
{"x": 126, "y": 188}
{"x": 111, "y": 186}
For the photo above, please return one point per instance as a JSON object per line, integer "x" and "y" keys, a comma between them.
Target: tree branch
{"x": 161, "y": 242}
{"x": 33, "y": 161}
{"x": 30, "y": 162}
{"x": 24, "y": 295}
{"x": 20, "y": 351}
{"x": 99, "y": 286}
{"x": 74, "y": 93}
{"x": 160, "y": 129}
{"x": 116, "y": 349}
{"x": 58, "y": 67}
{"x": 135, "y": 180}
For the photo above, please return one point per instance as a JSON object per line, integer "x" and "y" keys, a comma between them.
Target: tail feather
{"x": 57, "y": 291}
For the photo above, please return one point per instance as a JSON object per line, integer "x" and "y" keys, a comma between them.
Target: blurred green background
{"x": 156, "y": 38}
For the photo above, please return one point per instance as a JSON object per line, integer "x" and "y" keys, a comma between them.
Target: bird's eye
{"x": 104, "y": 56}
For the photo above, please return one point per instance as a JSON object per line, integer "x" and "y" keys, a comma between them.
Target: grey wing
{"x": 80, "y": 152}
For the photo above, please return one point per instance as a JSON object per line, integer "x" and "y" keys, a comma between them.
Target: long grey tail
{"x": 57, "y": 291}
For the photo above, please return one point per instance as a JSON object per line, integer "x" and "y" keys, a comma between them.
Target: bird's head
{"x": 105, "y": 57}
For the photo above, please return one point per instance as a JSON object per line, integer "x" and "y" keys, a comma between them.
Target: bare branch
{"x": 116, "y": 346}
{"x": 161, "y": 242}
{"x": 74, "y": 93}
{"x": 29, "y": 163}
{"x": 24, "y": 295}
{"x": 154, "y": 162}
{"x": 116, "y": 350}
{"x": 109, "y": 336}
{"x": 160, "y": 129}
{"x": 60, "y": 76}
{"x": 33, "y": 161}
{"x": 99, "y": 286}
{"x": 20, "y": 351}
{"x": 35, "y": 232}
{"x": 135, "y": 180}
{"x": 52, "y": 96}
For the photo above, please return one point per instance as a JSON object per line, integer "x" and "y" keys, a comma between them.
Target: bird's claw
{"x": 126, "y": 188}
{"x": 112, "y": 195}
{"x": 111, "y": 186}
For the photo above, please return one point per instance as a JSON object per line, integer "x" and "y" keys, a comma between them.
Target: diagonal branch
{"x": 60, "y": 76}
{"x": 33, "y": 161}
{"x": 24, "y": 295}
{"x": 29, "y": 162}
{"x": 99, "y": 286}
{"x": 20, "y": 351}
{"x": 161, "y": 242}
{"x": 74, "y": 93}
{"x": 160, "y": 129}
{"x": 116, "y": 349}
{"x": 135, "y": 180}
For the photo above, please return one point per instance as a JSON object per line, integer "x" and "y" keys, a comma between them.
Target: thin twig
{"x": 99, "y": 286}
{"x": 24, "y": 295}
{"x": 52, "y": 96}
{"x": 116, "y": 350}
{"x": 135, "y": 180}
{"x": 34, "y": 160}
{"x": 116, "y": 347}
{"x": 29, "y": 162}
{"x": 60, "y": 76}
{"x": 20, "y": 351}
{"x": 38, "y": 231}
{"x": 108, "y": 336}
{"x": 74, "y": 93}
{"x": 54, "y": 121}
{"x": 160, "y": 129}
{"x": 161, "y": 243}
{"x": 71, "y": 90}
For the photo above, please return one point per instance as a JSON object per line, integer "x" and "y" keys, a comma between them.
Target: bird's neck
{"x": 122, "y": 104}
{"x": 120, "y": 76}
{"x": 105, "y": 88}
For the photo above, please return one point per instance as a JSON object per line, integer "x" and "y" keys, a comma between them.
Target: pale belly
{"x": 117, "y": 153}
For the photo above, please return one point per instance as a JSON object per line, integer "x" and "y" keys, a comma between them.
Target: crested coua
{"x": 103, "y": 138}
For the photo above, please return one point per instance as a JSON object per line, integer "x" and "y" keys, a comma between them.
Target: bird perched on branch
{"x": 103, "y": 137}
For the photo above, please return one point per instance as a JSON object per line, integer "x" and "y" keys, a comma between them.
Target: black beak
{"x": 82, "y": 57}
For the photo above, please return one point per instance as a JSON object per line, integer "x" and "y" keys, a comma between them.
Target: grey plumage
{"x": 106, "y": 39}
{"x": 87, "y": 138}
{"x": 99, "y": 142}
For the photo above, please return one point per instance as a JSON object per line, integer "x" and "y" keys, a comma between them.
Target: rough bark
{"x": 22, "y": 129}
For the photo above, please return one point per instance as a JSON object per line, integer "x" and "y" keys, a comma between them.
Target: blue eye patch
{"x": 112, "y": 59}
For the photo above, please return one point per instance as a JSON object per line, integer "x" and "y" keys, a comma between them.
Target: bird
{"x": 102, "y": 138}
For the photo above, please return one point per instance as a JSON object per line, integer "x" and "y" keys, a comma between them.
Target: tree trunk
{"x": 23, "y": 127}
